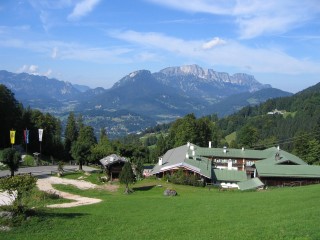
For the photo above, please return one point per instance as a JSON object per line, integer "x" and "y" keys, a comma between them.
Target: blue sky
{"x": 97, "y": 42}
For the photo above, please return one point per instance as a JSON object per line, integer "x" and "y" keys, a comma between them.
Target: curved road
{"x": 40, "y": 172}
{"x": 45, "y": 170}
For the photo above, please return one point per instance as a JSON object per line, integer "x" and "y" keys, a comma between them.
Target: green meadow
{"x": 196, "y": 213}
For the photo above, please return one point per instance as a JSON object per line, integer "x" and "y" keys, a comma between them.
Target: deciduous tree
{"x": 70, "y": 134}
{"x": 81, "y": 149}
{"x": 10, "y": 112}
{"x": 11, "y": 158}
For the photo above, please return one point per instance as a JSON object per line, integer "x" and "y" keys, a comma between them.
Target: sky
{"x": 97, "y": 42}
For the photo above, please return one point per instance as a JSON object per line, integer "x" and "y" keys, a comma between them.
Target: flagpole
{"x": 40, "y": 139}
{"x": 27, "y": 140}
{"x": 12, "y": 137}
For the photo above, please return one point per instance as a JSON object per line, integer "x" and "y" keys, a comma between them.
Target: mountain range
{"x": 142, "y": 99}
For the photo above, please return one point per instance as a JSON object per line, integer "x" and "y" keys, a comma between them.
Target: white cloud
{"x": 23, "y": 69}
{"x": 214, "y": 42}
{"x": 158, "y": 41}
{"x": 52, "y": 13}
{"x": 72, "y": 51}
{"x": 229, "y": 54}
{"x": 207, "y": 6}
{"x": 54, "y": 53}
{"x": 254, "y": 17}
{"x": 33, "y": 69}
{"x": 82, "y": 8}
{"x": 48, "y": 73}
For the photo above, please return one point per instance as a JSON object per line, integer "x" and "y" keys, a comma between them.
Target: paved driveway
{"x": 45, "y": 170}
{"x": 41, "y": 171}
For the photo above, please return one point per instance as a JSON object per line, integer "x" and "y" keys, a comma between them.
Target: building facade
{"x": 227, "y": 167}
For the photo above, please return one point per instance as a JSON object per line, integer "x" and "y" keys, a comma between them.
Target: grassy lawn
{"x": 93, "y": 177}
{"x": 196, "y": 213}
{"x": 231, "y": 137}
{"x": 292, "y": 114}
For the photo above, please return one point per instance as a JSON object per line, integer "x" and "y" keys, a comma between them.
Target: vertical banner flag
{"x": 40, "y": 134}
{"x": 26, "y": 136}
{"x": 12, "y": 136}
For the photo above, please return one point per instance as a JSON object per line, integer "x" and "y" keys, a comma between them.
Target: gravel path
{"x": 45, "y": 184}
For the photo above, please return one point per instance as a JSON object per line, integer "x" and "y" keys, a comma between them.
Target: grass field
{"x": 231, "y": 137}
{"x": 196, "y": 213}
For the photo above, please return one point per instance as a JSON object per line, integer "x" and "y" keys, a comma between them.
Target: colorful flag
{"x": 40, "y": 134}
{"x": 26, "y": 136}
{"x": 12, "y": 136}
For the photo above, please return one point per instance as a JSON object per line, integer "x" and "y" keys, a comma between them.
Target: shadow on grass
{"x": 46, "y": 214}
{"x": 143, "y": 188}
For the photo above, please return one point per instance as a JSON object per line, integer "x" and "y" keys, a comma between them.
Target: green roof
{"x": 203, "y": 164}
{"x": 250, "y": 184}
{"x": 196, "y": 159}
{"x": 177, "y": 158}
{"x": 283, "y": 158}
{"x": 290, "y": 171}
{"x": 231, "y": 153}
{"x": 229, "y": 175}
{"x": 269, "y": 154}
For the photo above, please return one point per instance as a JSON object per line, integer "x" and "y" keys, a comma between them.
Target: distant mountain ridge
{"x": 209, "y": 75}
{"x": 143, "y": 97}
{"x": 38, "y": 91}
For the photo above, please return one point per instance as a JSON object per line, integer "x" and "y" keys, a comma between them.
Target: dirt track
{"x": 45, "y": 184}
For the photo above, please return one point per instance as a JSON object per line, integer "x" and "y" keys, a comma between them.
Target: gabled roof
{"x": 228, "y": 175}
{"x": 282, "y": 158}
{"x": 250, "y": 184}
{"x": 111, "y": 159}
{"x": 285, "y": 165}
{"x": 196, "y": 159}
{"x": 291, "y": 171}
{"x": 177, "y": 158}
{"x": 231, "y": 153}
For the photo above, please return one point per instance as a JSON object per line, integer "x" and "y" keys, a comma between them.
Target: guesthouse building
{"x": 229, "y": 167}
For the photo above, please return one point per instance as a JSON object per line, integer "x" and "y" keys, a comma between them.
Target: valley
{"x": 142, "y": 99}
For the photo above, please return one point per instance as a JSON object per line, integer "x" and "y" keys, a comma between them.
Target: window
{"x": 249, "y": 163}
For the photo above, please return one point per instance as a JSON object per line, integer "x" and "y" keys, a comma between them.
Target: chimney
{"x": 225, "y": 149}
{"x": 209, "y": 144}
{"x": 229, "y": 164}
{"x": 160, "y": 161}
{"x": 242, "y": 149}
{"x": 188, "y": 144}
{"x": 278, "y": 148}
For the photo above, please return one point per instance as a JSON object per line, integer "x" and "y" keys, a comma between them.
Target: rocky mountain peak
{"x": 185, "y": 70}
{"x": 133, "y": 77}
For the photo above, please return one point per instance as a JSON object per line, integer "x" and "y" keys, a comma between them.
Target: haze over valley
{"x": 142, "y": 99}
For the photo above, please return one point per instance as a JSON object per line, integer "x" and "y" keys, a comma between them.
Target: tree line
{"x": 296, "y": 131}
{"x": 77, "y": 142}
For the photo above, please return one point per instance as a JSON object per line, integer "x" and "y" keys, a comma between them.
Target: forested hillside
{"x": 293, "y": 123}
{"x": 76, "y": 142}
{"x": 299, "y": 119}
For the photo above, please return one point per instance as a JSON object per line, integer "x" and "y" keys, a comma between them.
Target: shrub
{"x": 180, "y": 177}
{"x": 28, "y": 160}
{"x": 20, "y": 186}
{"x": 11, "y": 157}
